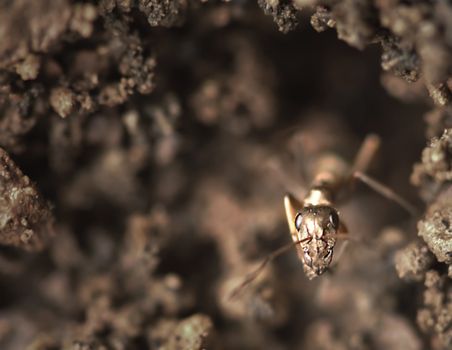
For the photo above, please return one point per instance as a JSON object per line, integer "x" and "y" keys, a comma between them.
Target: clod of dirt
{"x": 194, "y": 332}
{"x": 63, "y": 101}
{"x": 436, "y": 227}
{"x": 401, "y": 61}
{"x": 440, "y": 93}
{"x": 283, "y": 12}
{"x": 82, "y": 21}
{"x": 28, "y": 27}
{"x": 165, "y": 13}
{"x": 436, "y": 316}
{"x": 28, "y": 68}
{"x": 356, "y": 22}
{"x": 413, "y": 261}
{"x": 436, "y": 166}
{"x": 25, "y": 217}
{"x": 322, "y": 19}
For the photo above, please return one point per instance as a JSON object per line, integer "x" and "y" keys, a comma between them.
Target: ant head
{"x": 317, "y": 220}
{"x": 318, "y": 224}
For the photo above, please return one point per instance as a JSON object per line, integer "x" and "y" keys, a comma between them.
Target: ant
{"x": 314, "y": 222}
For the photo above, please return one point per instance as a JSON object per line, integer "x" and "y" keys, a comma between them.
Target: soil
{"x": 145, "y": 149}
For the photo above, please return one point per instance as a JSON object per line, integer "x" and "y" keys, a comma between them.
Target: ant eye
{"x": 298, "y": 219}
{"x": 334, "y": 219}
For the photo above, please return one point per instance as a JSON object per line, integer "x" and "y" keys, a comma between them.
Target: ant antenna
{"x": 386, "y": 192}
{"x": 366, "y": 153}
{"x": 285, "y": 180}
{"x": 254, "y": 274}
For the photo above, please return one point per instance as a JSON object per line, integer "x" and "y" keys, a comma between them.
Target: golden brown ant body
{"x": 314, "y": 222}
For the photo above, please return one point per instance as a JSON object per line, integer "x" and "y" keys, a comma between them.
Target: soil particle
{"x": 165, "y": 134}
{"x": 28, "y": 68}
{"x": 322, "y": 19}
{"x": 25, "y": 220}
{"x": 436, "y": 167}
{"x": 63, "y": 101}
{"x": 436, "y": 315}
{"x": 194, "y": 332}
{"x": 413, "y": 261}
{"x": 436, "y": 228}
{"x": 166, "y": 13}
{"x": 284, "y": 13}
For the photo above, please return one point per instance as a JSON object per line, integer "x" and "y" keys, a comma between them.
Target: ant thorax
{"x": 318, "y": 196}
{"x": 316, "y": 226}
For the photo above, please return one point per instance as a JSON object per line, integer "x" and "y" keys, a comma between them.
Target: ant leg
{"x": 292, "y": 206}
{"x": 386, "y": 192}
{"x": 254, "y": 274}
{"x": 366, "y": 153}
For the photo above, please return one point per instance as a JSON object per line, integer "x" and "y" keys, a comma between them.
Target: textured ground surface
{"x": 146, "y": 145}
